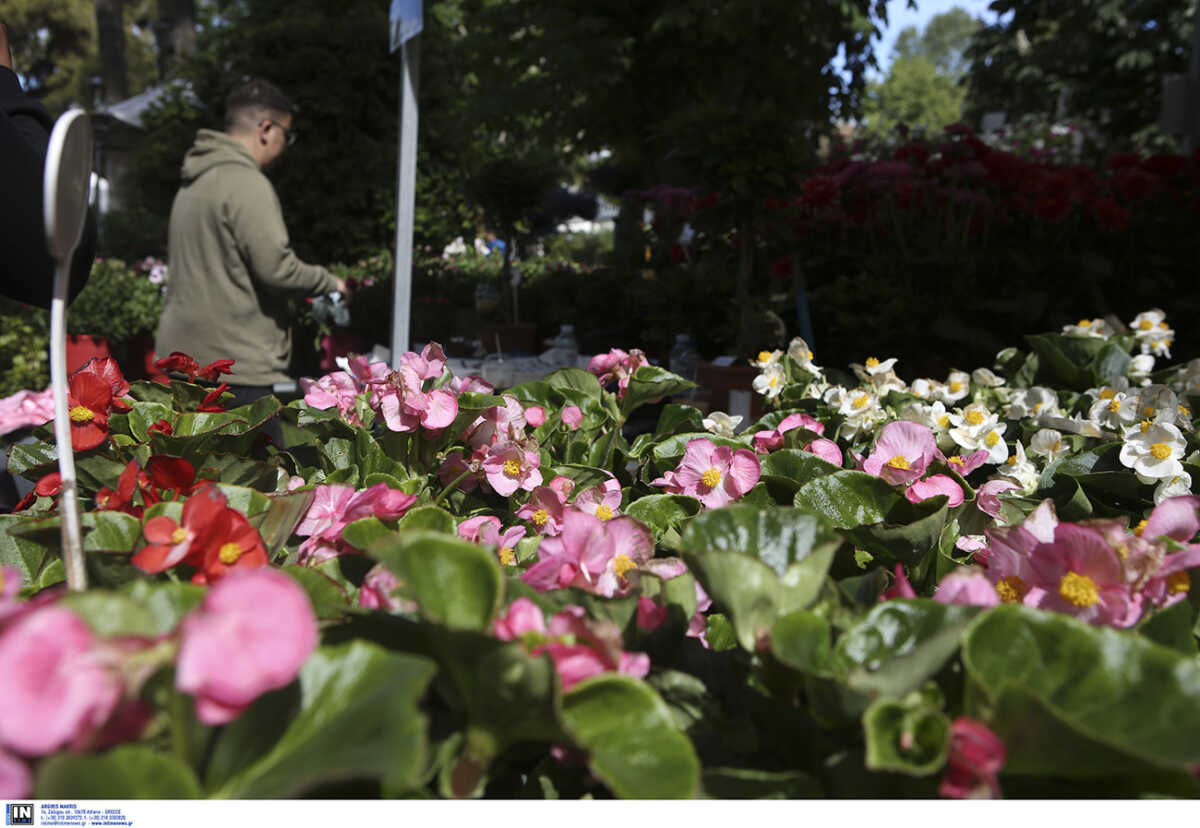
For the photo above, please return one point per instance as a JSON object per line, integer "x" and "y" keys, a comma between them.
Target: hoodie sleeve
{"x": 263, "y": 238}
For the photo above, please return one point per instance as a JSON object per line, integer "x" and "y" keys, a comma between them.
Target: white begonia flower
{"x": 932, "y": 415}
{"x": 767, "y": 358}
{"x": 923, "y": 387}
{"x": 1050, "y": 444}
{"x": 799, "y": 352}
{"x": 879, "y": 376}
{"x": 1180, "y": 484}
{"x": 771, "y": 381}
{"x": 816, "y": 389}
{"x": 1140, "y": 368}
{"x": 972, "y": 422}
{"x": 958, "y": 385}
{"x": 1115, "y": 413}
{"x": 860, "y": 408}
{"x": 1159, "y": 403}
{"x": 1020, "y": 470}
{"x": 1094, "y": 328}
{"x": 1154, "y": 451}
{"x": 1188, "y": 380}
{"x": 1152, "y": 332}
{"x": 722, "y": 424}
{"x": 1032, "y": 402}
{"x": 1075, "y": 424}
{"x": 986, "y": 377}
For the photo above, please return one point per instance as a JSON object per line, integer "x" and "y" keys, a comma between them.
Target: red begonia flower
{"x": 89, "y": 399}
{"x": 161, "y": 427}
{"x": 212, "y": 372}
{"x": 180, "y": 363}
{"x": 211, "y": 402}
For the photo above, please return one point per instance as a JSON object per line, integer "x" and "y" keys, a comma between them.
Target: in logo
{"x": 18, "y": 813}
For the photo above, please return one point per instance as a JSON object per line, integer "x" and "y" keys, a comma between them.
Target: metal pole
{"x": 405, "y": 198}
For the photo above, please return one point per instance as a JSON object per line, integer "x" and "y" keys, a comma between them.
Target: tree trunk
{"x": 110, "y": 29}
{"x": 174, "y": 33}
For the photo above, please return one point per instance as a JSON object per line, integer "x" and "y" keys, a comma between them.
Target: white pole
{"x": 406, "y": 190}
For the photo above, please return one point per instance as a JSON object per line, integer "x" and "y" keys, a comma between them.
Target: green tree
{"x": 1102, "y": 60}
{"x": 944, "y": 41}
{"x": 915, "y": 93}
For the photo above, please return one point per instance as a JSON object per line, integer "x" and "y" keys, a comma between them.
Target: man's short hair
{"x": 251, "y": 103}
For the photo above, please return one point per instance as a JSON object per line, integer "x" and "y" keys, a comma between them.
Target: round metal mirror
{"x": 65, "y": 183}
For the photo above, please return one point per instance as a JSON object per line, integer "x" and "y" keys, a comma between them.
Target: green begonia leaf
{"x": 650, "y": 383}
{"x": 803, "y": 641}
{"x": 126, "y": 772}
{"x": 744, "y": 783}
{"x": 355, "y": 716}
{"x": 906, "y": 739}
{"x": 433, "y": 518}
{"x": 633, "y": 744}
{"x": 454, "y": 582}
{"x": 849, "y": 499}
{"x": 664, "y": 511}
{"x": 1117, "y": 695}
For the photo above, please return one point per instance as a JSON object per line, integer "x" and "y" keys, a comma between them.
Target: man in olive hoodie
{"x": 231, "y": 265}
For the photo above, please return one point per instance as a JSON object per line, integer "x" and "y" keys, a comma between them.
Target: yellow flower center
{"x": 622, "y": 564}
{"x": 975, "y": 417}
{"x": 956, "y": 386}
{"x": 81, "y": 414}
{"x": 943, "y": 421}
{"x": 1178, "y": 583}
{"x": 1114, "y": 406}
{"x": 540, "y": 517}
{"x": 1085, "y": 323}
{"x": 1185, "y": 411}
{"x": 1141, "y": 527}
{"x": 1077, "y": 589}
{"x": 1146, "y": 325}
{"x": 954, "y": 460}
{"x": 711, "y": 477}
{"x": 764, "y": 356}
{"x": 773, "y": 381}
{"x": 991, "y": 439}
{"x": 1107, "y": 394}
{"x": 872, "y": 362}
{"x": 229, "y": 553}
{"x": 508, "y": 556}
{"x": 1122, "y": 550}
{"x": 179, "y": 535}
{"x": 1145, "y": 426}
{"x": 1038, "y": 407}
{"x": 1160, "y": 451}
{"x": 1012, "y": 460}
{"x": 1011, "y": 589}
{"x": 1149, "y": 411}
{"x": 1164, "y": 325}
{"x": 899, "y": 462}
{"x": 604, "y": 512}
{"x": 861, "y": 401}
{"x": 810, "y": 355}
{"x": 512, "y": 468}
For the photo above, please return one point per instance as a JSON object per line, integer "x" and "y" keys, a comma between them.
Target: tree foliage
{"x": 944, "y": 41}
{"x": 1104, "y": 59}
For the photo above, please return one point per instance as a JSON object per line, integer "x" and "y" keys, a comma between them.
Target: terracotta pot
{"x": 84, "y": 347}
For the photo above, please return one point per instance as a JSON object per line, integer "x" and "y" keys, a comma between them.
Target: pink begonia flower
{"x": 1080, "y": 574}
{"x": 399, "y": 396}
{"x": 987, "y": 496}
{"x": 580, "y": 648}
{"x": 229, "y": 654}
{"x": 337, "y": 505}
{"x": 617, "y": 365}
{"x": 1177, "y": 518}
{"x": 535, "y": 415}
{"x": 976, "y": 757}
{"x": 968, "y": 464}
{"x": 498, "y": 424}
{"x": 975, "y": 544}
{"x": 544, "y": 510}
{"x": 471, "y": 385}
{"x": 336, "y": 390}
{"x": 562, "y": 486}
{"x": 509, "y": 467}
{"x": 934, "y": 485}
{"x": 572, "y": 417}
{"x": 16, "y": 780}
{"x": 968, "y": 586}
{"x": 26, "y": 408}
{"x": 668, "y": 568}
{"x": 592, "y": 555}
{"x": 650, "y": 616}
{"x": 59, "y": 685}
{"x": 714, "y": 475}
{"x": 826, "y": 449}
{"x": 902, "y": 588}
{"x": 471, "y": 528}
{"x": 602, "y": 500}
{"x": 377, "y": 591}
{"x": 902, "y": 452}
{"x": 768, "y": 441}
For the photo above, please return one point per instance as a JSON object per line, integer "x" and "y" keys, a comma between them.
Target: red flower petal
{"x": 166, "y": 472}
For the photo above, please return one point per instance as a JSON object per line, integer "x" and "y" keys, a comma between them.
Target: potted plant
{"x": 118, "y": 312}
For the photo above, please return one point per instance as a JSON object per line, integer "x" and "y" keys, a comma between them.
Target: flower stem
{"x": 180, "y": 719}
{"x": 451, "y": 486}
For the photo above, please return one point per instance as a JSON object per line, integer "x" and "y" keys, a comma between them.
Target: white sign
{"x": 407, "y": 20}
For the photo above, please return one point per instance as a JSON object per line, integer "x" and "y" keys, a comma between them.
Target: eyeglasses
{"x": 289, "y": 134}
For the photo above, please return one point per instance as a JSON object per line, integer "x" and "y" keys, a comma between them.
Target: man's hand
{"x": 341, "y": 285}
{"x": 5, "y": 51}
